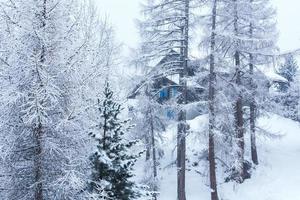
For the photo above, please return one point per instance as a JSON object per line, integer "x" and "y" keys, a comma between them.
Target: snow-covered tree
{"x": 287, "y": 97}
{"x": 288, "y": 70}
{"x": 243, "y": 38}
{"x": 113, "y": 161}
{"x": 165, "y": 29}
{"x": 150, "y": 123}
{"x": 262, "y": 40}
{"x": 51, "y": 47}
{"x": 212, "y": 100}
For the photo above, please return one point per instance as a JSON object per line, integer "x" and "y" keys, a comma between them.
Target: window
{"x": 163, "y": 94}
{"x": 173, "y": 92}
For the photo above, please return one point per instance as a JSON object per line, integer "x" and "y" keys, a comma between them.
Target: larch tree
{"x": 225, "y": 92}
{"x": 244, "y": 36}
{"x": 150, "y": 123}
{"x": 261, "y": 42}
{"x": 51, "y": 45}
{"x": 225, "y": 104}
{"x": 239, "y": 121}
{"x": 247, "y": 38}
{"x": 210, "y": 43}
{"x": 212, "y": 103}
{"x": 252, "y": 105}
{"x": 166, "y": 29}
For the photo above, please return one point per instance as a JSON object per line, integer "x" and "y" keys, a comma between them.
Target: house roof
{"x": 272, "y": 76}
{"x": 163, "y": 66}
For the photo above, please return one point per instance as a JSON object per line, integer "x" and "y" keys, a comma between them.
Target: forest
{"x": 205, "y": 107}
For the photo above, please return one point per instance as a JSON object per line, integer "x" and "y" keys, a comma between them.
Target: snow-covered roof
{"x": 157, "y": 60}
{"x": 271, "y": 75}
{"x": 154, "y": 62}
{"x": 174, "y": 77}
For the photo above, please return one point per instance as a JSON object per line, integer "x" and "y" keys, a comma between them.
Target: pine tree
{"x": 289, "y": 92}
{"x": 112, "y": 163}
{"x": 289, "y": 71}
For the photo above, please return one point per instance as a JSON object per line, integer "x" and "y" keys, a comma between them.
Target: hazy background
{"x": 122, "y": 14}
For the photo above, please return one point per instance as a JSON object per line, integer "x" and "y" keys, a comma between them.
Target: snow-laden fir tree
{"x": 288, "y": 70}
{"x": 113, "y": 160}
{"x": 287, "y": 97}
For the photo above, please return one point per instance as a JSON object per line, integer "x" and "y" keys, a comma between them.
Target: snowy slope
{"x": 276, "y": 178}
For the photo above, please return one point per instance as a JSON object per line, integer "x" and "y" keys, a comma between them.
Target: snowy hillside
{"x": 276, "y": 178}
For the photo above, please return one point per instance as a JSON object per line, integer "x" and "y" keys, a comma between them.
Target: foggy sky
{"x": 122, "y": 14}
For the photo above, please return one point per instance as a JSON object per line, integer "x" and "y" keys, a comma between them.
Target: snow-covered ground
{"x": 276, "y": 178}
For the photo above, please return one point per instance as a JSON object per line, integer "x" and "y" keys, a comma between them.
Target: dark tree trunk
{"x": 181, "y": 156}
{"x": 148, "y": 148}
{"x": 212, "y": 120}
{"x": 239, "y": 121}
{"x": 252, "y": 104}
{"x": 38, "y": 132}
{"x": 182, "y": 125}
{"x": 38, "y": 163}
{"x": 254, "y": 155}
{"x": 153, "y": 155}
{"x": 104, "y": 126}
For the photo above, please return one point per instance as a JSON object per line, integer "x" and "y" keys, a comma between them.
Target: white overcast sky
{"x": 122, "y": 14}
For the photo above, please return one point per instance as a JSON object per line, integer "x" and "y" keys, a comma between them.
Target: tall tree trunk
{"x": 148, "y": 148}
{"x": 104, "y": 125}
{"x": 182, "y": 125}
{"x": 38, "y": 132}
{"x": 153, "y": 155}
{"x": 239, "y": 123}
{"x": 252, "y": 104}
{"x": 181, "y": 157}
{"x": 212, "y": 117}
{"x": 254, "y": 155}
{"x": 38, "y": 163}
